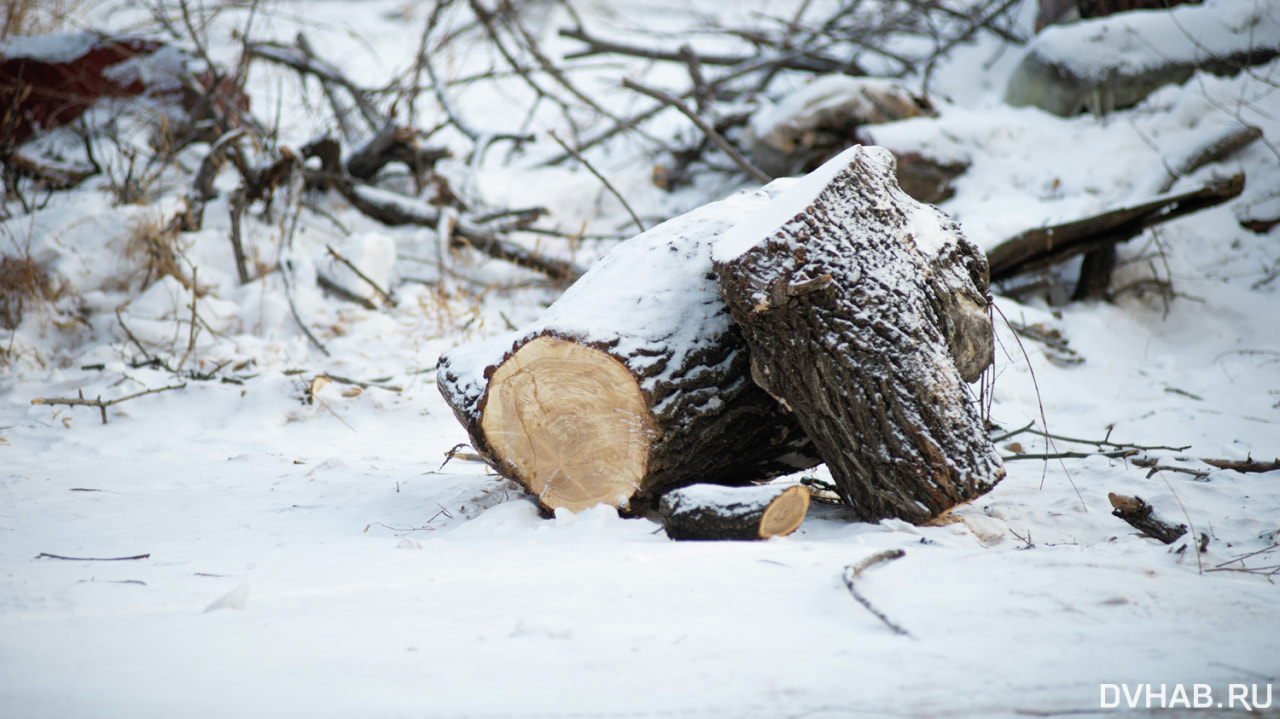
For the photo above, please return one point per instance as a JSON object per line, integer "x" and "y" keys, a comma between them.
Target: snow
{"x": 354, "y": 575}
{"x": 798, "y": 195}
{"x": 53, "y": 48}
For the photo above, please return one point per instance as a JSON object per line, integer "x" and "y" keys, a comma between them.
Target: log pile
{"x": 837, "y": 323}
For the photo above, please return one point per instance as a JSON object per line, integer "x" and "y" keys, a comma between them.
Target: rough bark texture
{"x": 634, "y": 382}
{"x": 852, "y": 298}
{"x": 704, "y": 511}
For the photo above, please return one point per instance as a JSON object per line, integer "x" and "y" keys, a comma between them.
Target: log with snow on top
{"x": 1110, "y": 63}
{"x": 865, "y": 313}
{"x": 634, "y": 382}
{"x": 709, "y": 511}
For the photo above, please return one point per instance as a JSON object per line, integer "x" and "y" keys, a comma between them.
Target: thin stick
{"x": 288, "y": 293}
{"x": 1073, "y": 455}
{"x": 136, "y": 342}
{"x": 237, "y": 204}
{"x": 853, "y": 571}
{"x": 341, "y": 292}
{"x": 743, "y": 164}
{"x": 386, "y": 296}
{"x": 512, "y": 17}
{"x": 1048, "y": 441}
{"x": 99, "y": 402}
{"x": 702, "y": 94}
{"x": 360, "y": 383}
{"x": 1013, "y": 433}
{"x": 1195, "y": 536}
{"x": 603, "y": 180}
{"x": 46, "y": 555}
{"x": 191, "y": 339}
{"x": 1104, "y": 442}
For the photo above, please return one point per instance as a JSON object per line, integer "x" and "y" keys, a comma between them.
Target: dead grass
{"x": 154, "y": 245}
{"x": 21, "y": 283}
{"x": 35, "y": 17}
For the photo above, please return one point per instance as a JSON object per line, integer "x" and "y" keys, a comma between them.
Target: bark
{"x": 394, "y": 144}
{"x": 863, "y": 309}
{"x": 1140, "y": 515}
{"x": 634, "y": 382}
{"x": 703, "y": 511}
{"x": 1046, "y": 246}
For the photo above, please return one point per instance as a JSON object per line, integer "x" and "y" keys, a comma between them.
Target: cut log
{"x": 852, "y": 298}
{"x": 708, "y": 511}
{"x": 634, "y": 382}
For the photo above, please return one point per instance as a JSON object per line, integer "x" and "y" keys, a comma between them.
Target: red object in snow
{"x": 50, "y": 80}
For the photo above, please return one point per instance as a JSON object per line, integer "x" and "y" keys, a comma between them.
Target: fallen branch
{"x": 386, "y": 296}
{"x": 99, "y": 402}
{"x": 1045, "y": 246}
{"x": 380, "y": 384}
{"x": 285, "y": 268}
{"x": 1246, "y": 466}
{"x": 392, "y": 209}
{"x": 237, "y": 206}
{"x": 1074, "y": 455}
{"x": 394, "y": 144}
{"x": 853, "y": 571}
{"x": 46, "y": 555}
{"x": 1140, "y": 515}
{"x": 342, "y": 293}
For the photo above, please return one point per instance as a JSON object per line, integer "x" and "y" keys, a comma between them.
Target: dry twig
{"x": 99, "y": 402}
{"x": 853, "y": 571}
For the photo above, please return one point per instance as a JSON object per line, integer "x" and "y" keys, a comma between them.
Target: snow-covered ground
{"x": 307, "y": 554}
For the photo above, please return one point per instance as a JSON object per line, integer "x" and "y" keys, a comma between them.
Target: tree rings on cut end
{"x": 786, "y": 513}
{"x": 570, "y": 422}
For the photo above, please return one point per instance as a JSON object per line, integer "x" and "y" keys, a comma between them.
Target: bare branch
{"x": 710, "y": 132}
{"x": 99, "y": 402}
{"x": 608, "y": 185}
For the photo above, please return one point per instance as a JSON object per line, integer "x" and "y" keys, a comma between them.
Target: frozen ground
{"x": 308, "y": 555}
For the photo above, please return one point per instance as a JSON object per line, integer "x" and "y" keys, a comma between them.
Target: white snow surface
{"x": 307, "y": 554}
{"x": 797, "y": 196}
{"x": 52, "y": 47}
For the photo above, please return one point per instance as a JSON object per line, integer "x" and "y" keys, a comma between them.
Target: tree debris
{"x": 1141, "y": 516}
{"x": 854, "y": 571}
{"x": 708, "y": 511}
{"x": 100, "y": 403}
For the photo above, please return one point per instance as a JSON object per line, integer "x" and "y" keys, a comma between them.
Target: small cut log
{"x": 866, "y": 312}
{"x": 708, "y": 511}
{"x": 633, "y": 383}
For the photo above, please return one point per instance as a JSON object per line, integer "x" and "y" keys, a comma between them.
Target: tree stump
{"x": 865, "y": 313}
{"x": 708, "y": 511}
{"x": 634, "y": 382}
